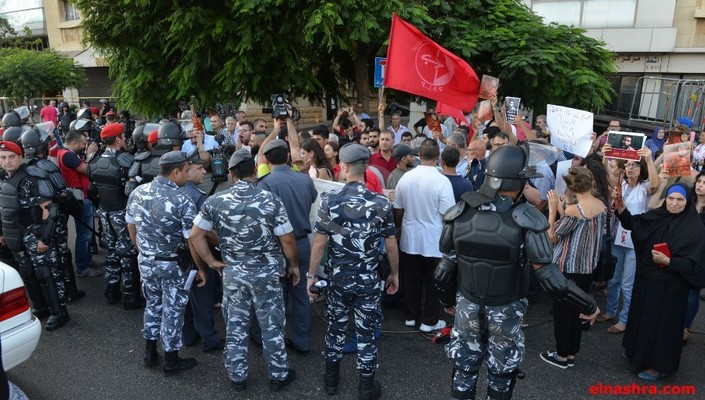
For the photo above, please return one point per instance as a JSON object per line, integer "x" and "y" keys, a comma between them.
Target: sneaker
{"x": 89, "y": 273}
{"x": 410, "y": 323}
{"x": 277, "y": 385}
{"x": 430, "y": 328}
{"x": 571, "y": 362}
{"x": 551, "y": 357}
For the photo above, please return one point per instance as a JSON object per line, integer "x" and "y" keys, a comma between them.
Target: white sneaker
{"x": 410, "y": 323}
{"x": 430, "y": 328}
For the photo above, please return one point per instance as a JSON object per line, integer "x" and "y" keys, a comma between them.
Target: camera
{"x": 280, "y": 108}
{"x": 219, "y": 162}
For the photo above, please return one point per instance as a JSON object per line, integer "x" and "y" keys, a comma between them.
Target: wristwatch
{"x": 309, "y": 276}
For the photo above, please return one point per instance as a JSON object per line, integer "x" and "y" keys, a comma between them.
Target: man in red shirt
{"x": 383, "y": 160}
{"x": 75, "y": 172}
{"x": 48, "y": 112}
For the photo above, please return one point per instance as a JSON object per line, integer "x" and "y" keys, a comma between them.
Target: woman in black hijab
{"x": 653, "y": 339}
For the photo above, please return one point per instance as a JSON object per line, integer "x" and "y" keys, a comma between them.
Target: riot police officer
{"x": 108, "y": 172}
{"x": 146, "y": 165}
{"x": 36, "y": 151}
{"x": 485, "y": 240}
{"x": 29, "y": 219}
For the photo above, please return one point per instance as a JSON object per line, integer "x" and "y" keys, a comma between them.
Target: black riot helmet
{"x": 84, "y": 113}
{"x": 63, "y": 104}
{"x": 138, "y": 136}
{"x": 33, "y": 140}
{"x": 83, "y": 125}
{"x": 507, "y": 169}
{"x": 11, "y": 119}
{"x": 12, "y": 134}
{"x": 170, "y": 133}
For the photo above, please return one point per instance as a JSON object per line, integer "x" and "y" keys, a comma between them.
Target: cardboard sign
{"x": 676, "y": 159}
{"x": 570, "y": 129}
{"x": 488, "y": 87}
{"x": 625, "y": 145}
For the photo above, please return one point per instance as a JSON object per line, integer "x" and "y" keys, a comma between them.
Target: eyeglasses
{"x": 613, "y": 126}
{"x": 631, "y": 166}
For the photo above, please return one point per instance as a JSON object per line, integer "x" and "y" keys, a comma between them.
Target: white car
{"x": 19, "y": 329}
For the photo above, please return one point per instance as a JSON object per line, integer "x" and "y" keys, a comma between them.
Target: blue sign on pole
{"x": 380, "y": 66}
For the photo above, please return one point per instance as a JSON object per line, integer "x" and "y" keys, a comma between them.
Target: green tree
{"x": 160, "y": 52}
{"x": 30, "y": 73}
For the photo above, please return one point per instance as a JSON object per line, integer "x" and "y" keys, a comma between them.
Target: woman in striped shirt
{"x": 577, "y": 236}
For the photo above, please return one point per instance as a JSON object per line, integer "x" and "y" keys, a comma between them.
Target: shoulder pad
{"x": 475, "y": 199}
{"x": 36, "y": 172}
{"x": 454, "y": 212}
{"x": 125, "y": 160}
{"x": 528, "y": 217}
{"x": 47, "y": 166}
{"x": 142, "y": 155}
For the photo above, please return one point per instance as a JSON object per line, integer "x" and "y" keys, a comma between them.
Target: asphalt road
{"x": 98, "y": 355}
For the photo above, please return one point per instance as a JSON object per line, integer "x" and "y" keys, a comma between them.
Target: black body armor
{"x": 109, "y": 175}
{"x": 15, "y": 220}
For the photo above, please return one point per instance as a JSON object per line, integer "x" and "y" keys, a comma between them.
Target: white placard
{"x": 570, "y": 129}
{"x": 562, "y": 169}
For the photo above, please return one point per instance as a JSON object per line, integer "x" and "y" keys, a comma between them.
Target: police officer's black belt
{"x": 174, "y": 258}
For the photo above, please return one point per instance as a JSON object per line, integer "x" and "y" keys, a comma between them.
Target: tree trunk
{"x": 362, "y": 78}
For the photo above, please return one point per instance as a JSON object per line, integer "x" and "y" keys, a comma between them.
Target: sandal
{"x": 617, "y": 328}
{"x": 604, "y": 318}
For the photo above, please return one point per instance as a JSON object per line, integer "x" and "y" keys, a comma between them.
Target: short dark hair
{"x": 491, "y": 131}
{"x": 73, "y": 136}
{"x": 321, "y": 130}
{"x": 166, "y": 170}
{"x": 405, "y": 134}
{"x": 277, "y": 156}
{"x": 245, "y": 169}
{"x": 111, "y": 141}
{"x": 450, "y": 156}
{"x": 249, "y": 125}
{"x": 429, "y": 150}
{"x": 375, "y": 129}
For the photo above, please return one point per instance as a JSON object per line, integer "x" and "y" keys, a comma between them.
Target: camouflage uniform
{"x": 355, "y": 219}
{"x": 248, "y": 220}
{"x": 163, "y": 217}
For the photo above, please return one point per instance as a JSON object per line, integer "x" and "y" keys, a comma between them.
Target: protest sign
{"x": 676, "y": 159}
{"x": 512, "y": 104}
{"x": 488, "y": 87}
{"x": 571, "y": 129}
{"x": 625, "y": 145}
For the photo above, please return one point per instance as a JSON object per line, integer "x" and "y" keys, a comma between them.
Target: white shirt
{"x": 209, "y": 143}
{"x": 397, "y": 134}
{"x": 425, "y": 195}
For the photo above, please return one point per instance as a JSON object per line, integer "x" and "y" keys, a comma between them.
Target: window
{"x": 70, "y": 11}
{"x": 587, "y": 13}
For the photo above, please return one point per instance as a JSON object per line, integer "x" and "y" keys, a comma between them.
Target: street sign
{"x": 380, "y": 66}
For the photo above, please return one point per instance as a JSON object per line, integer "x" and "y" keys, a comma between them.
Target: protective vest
{"x": 109, "y": 177}
{"x": 57, "y": 180}
{"x": 15, "y": 219}
{"x": 489, "y": 249}
{"x": 150, "y": 166}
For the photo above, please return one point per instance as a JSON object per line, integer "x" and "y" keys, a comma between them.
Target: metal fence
{"x": 662, "y": 101}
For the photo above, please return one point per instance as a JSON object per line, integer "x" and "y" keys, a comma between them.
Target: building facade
{"x": 659, "y": 48}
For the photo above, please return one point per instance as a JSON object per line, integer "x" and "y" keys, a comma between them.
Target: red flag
{"x": 418, "y": 65}
{"x": 445, "y": 109}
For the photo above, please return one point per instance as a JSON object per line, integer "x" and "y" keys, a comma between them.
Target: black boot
{"x": 58, "y": 314}
{"x": 332, "y": 377}
{"x": 112, "y": 293}
{"x": 151, "y": 357}
{"x": 369, "y": 388}
{"x": 173, "y": 363}
{"x": 57, "y": 320}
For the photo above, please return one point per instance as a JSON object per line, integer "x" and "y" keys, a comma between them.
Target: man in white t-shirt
{"x": 396, "y": 127}
{"x": 423, "y": 195}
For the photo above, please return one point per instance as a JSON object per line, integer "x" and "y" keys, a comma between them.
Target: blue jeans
{"x": 83, "y": 237}
{"x": 693, "y": 306}
{"x": 623, "y": 280}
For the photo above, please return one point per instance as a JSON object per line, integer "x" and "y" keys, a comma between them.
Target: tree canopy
{"x": 218, "y": 50}
{"x": 30, "y": 73}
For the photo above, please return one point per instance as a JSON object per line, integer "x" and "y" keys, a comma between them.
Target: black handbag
{"x": 607, "y": 262}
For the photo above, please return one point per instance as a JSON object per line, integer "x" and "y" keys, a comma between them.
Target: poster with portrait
{"x": 512, "y": 104}
{"x": 625, "y": 145}
{"x": 676, "y": 159}
{"x": 484, "y": 111}
{"x": 488, "y": 87}
{"x": 432, "y": 122}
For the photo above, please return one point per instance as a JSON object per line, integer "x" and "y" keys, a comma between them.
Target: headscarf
{"x": 654, "y": 143}
{"x": 683, "y": 232}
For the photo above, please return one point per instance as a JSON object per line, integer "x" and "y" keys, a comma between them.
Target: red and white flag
{"x": 418, "y": 65}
